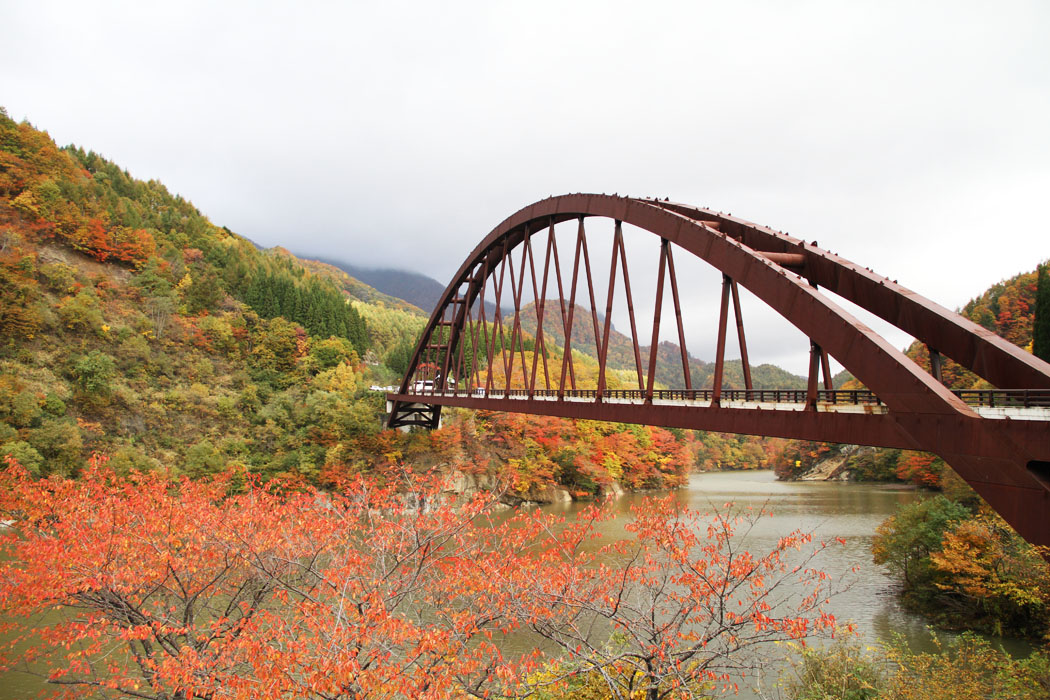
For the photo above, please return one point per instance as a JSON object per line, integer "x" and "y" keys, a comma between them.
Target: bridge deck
{"x": 1017, "y": 404}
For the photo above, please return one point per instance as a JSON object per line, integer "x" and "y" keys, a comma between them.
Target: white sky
{"x": 911, "y": 137}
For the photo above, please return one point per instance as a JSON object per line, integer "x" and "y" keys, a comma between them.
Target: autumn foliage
{"x": 161, "y": 589}
{"x": 585, "y": 457}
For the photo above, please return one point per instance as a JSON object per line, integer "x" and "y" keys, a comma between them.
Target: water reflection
{"x": 829, "y": 510}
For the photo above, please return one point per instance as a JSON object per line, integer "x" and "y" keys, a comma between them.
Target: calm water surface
{"x": 828, "y": 509}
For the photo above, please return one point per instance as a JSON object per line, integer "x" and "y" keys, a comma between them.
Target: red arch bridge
{"x": 502, "y": 337}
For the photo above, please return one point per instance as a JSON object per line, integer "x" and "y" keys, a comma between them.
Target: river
{"x": 828, "y": 509}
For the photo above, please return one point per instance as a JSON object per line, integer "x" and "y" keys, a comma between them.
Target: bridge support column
{"x": 814, "y": 368}
{"x": 720, "y": 351}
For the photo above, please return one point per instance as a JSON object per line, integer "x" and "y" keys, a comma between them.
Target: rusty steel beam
{"x": 603, "y": 347}
{"x": 483, "y": 331}
{"x": 567, "y": 357}
{"x": 541, "y": 299}
{"x": 745, "y": 363}
{"x": 935, "y": 364}
{"x": 657, "y": 312}
{"x": 874, "y": 429}
{"x": 561, "y": 305}
{"x": 825, "y": 363}
{"x": 497, "y": 318}
{"x": 515, "y": 293}
{"x": 792, "y": 261}
{"x": 811, "y": 384}
{"x": 974, "y": 347}
{"x": 630, "y": 308}
{"x": 720, "y": 350}
{"x": 590, "y": 292}
{"x": 688, "y": 378}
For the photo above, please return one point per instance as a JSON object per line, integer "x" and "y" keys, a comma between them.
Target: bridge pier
{"x": 413, "y": 414}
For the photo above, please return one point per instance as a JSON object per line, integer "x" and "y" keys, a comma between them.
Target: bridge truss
{"x": 476, "y": 352}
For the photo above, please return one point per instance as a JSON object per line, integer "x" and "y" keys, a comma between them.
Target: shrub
{"x": 218, "y": 332}
{"x": 839, "y": 671}
{"x": 59, "y": 277}
{"x": 967, "y": 668}
{"x": 202, "y": 458}
{"x": 905, "y": 540}
{"x": 25, "y": 409}
{"x": 92, "y": 374}
{"x": 54, "y": 405}
{"x": 81, "y": 313}
{"x": 331, "y": 352}
{"x": 992, "y": 578}
{"x": 24, "y": 454}
{"x": 128, "y": 459}
{"x": 60, "y": 443}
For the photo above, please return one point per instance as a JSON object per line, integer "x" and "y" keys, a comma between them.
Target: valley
{"x": 151, "y": 358}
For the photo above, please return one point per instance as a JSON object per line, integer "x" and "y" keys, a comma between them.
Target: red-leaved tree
{"x": 147, "y": 587}
{"x": 683, "y": 605}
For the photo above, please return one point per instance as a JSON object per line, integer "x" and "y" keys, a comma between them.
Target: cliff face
{"x": 837, "y": 464}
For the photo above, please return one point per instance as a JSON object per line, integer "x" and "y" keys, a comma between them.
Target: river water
{"x": 828, "y": 509}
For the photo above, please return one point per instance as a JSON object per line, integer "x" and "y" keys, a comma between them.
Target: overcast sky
{"x": 911, "y": 137}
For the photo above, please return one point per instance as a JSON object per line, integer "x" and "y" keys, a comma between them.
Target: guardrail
{"x": 992, "y": 398}
{"x": 1007, "y": 398}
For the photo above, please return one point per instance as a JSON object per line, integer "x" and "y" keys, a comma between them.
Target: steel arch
{"x": 1006, "y": 461}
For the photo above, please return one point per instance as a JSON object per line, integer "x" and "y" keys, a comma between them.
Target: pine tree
{"x": 1041, "y": 325}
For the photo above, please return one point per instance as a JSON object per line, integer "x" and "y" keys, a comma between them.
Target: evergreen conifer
{"x": 1041, "y": 324}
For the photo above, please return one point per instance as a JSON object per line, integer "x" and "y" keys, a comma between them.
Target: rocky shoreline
{"x": 461, "y": 483}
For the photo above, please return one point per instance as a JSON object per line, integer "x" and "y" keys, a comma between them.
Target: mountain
{"x": 669, "y": 363}
{"x": 351, "y": 286}
{"x": 415, "y": 288}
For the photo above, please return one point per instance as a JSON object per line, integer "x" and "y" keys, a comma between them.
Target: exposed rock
{"x": 833, "y": 467}
{"x": 54, "y": 253}
{"x": 464, "y": 484}
{"x": 547, "y": 494}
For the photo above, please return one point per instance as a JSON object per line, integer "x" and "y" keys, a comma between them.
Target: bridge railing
{"x": 992, "y": 398}
{"x": 699, "y": 395}
{"x": 1007, "y": 398}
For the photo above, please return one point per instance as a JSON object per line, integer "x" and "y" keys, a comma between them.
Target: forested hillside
{"x": 132, "y": 326}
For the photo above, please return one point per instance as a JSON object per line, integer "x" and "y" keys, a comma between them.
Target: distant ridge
{"x": 415, "y": 288}
{"x": 354, "y": 288}
{"x": 669, "y": 367}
